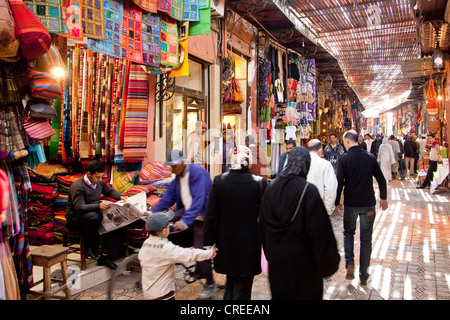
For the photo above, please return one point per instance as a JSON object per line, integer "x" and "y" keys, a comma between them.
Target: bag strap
{"x": 299, "y": 202}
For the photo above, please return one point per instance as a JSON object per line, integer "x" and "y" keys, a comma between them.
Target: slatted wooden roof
{"x": 370, "y": 39}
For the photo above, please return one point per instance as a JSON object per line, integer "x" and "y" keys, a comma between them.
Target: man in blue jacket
{"x": 189, "y": 191}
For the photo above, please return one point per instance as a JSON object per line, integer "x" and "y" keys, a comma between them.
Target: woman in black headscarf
{"x": 296, "y": 233}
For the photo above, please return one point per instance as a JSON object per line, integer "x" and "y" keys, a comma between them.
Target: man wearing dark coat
{"x": 298, "y": 242}
{"x": 231, "y": 223}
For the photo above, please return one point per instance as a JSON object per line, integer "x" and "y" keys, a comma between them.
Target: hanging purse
{"x": 234, "y": 93}
{"x": 37, "y": 128}
{"x": 41, "y": 109}
{"x": 43, "y": 85}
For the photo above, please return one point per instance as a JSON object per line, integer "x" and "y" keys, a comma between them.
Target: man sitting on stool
{"x": 84, "y": 214}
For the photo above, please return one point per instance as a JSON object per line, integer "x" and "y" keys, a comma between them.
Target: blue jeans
{"x": 366, "y": 217}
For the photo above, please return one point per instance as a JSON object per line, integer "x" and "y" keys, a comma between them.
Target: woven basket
{"x": 433, "y": 126}
{"x": 9, "y": 53}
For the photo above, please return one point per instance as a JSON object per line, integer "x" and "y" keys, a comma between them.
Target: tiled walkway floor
{"x": 410, "y": 257}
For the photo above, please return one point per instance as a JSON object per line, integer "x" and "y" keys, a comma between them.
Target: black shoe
{"x": 420, "y": 187}
{"x": 91, "y": 253}
{"x": 107, "y": 262}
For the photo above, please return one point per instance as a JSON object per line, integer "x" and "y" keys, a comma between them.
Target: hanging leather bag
{"x": 41, "y": 109}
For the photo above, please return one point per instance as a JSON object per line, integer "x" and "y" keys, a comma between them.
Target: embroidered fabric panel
{"x": 93, "y": 19}
{"x": 165, "y": 6}
{"x": 71, "y": 16}
{"x": 147, "y": 5}
{"x": 49, "y": 12}
{"x": 151, "y": 39}
{"x": 169, "y": 41}
{"x": 132, "y": 33}
{"x": 112, "y": 43}
{"x": 177, "y": 10}
{"x": 190, "y": 10}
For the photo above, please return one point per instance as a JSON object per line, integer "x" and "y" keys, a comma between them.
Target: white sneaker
{"x": 208, "y": 291}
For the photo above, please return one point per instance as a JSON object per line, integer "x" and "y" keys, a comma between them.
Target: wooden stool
{"x": 46, "y": 256}
{"x": 66, "y": 232}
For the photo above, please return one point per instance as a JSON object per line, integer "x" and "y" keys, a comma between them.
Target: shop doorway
{"x": 183, "y": 112}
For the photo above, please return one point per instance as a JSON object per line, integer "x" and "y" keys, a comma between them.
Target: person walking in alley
{"x": 296, "y": 233}
{"x": 376, "y": 145}
{"x": 435, "y": 154}
{"x": 355, "y": 172}
{"x": 333, "y": 151}
{"x": 189, "y": 191}
{"x": 368, "y": 141}
{"x": 231, "y": 223}
{"x": 395, "y": 149}
{"x": 386, "y": 159}
{"x": 321, "y": 174}
{"x": 284, "y": 158}
{"x": 411, "y": 152}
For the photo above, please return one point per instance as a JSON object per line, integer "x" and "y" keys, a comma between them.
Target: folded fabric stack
{"x": 44, "y": 201}
{"x": 60, "y": 204}
{"x": 158, "y": 176}
{"x": 40, "y": 212}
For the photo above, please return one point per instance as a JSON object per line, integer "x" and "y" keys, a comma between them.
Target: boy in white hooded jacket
{"x": 158, "y": 257}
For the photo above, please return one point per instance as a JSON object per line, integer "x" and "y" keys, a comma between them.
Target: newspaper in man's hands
{"x": 122, "y": 213}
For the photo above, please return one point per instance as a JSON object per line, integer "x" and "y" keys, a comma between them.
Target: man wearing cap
{"x": 189, "y": 191}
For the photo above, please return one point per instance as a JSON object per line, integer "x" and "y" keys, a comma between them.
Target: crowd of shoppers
{"x": 239, "y": 214}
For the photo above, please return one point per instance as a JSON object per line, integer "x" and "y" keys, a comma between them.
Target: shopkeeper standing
{"x": 435, "y": 154}
{"x": 84, "y": 214}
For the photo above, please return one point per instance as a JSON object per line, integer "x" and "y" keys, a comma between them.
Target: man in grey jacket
{"x": 84, "y": 214}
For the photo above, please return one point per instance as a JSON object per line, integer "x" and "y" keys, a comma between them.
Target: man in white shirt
{"x": 195, "y": 144}
{"x": 321, "y": 174}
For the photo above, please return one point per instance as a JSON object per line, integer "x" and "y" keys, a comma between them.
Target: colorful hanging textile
{"x": 112, "y": 43}
{"x": 203, "y": 25}
{"x": 132, "y": 33}
{"x": 71, "y": 16}
{"x": 203, "y": 4}
{"x": 190, "y": 10}
{"x": 49, "y": 12}
{"x": 147, "y": 5}
{"x": 169, "y": 41}
{"x": 151, "y": 39}
{"x": 135, "y": 125}
{"x": 183, "y": 69}
{"x": 165, "y": 6}
{"x": 93, "y": 19}
{"x": 177, "y": 10}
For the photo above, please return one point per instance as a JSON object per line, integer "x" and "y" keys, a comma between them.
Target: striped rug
{"x": 136, "y": 111}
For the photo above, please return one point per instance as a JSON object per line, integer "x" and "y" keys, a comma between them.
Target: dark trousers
{"x": 203, "y": 268}
{"x": 238, "y": 288}
{"x": 431, "y": 169}
{"x": 88, "y": 224}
